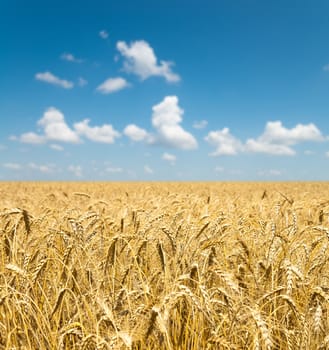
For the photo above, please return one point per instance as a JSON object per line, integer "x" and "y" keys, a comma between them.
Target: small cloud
{"x": 114, "y": 170}
{"x": 309, "y": 152}
{"x": 258, "y": 146}
{"x": 327, "y": 154}
{"x": 104, "y": 134}
{"x": 200, "y": 124}
{"x": 50, "y": 78}
{"x": 76, "y": 170}
{"x": 148, "y": 170}
{"x": 269, "y": 173}
{"x": 12, "y": 166}
{"x": 2, "y": 147}
{"x": 169, "y": 158}
{"x": 326, "y": 67}
{"x": 46, "y": 169}
{"x": 224, "y": 142}
{"x": 140, "y": 59}
{"x": 82, "y": 82}
{"x": 219, "y": 169}
{"x": 70, "y": 58}
{"x": 135, "y": 133}
{"x": 103, "y": 34}
{"x": 112, "y": 85}
{"x": 56, "y": 147}
{"x": 32, "y": 138}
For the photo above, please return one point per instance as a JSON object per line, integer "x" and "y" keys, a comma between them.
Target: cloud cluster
{"x": 55, "y": 128}
{"x": 50, "y": 78}
{"x": 140, "y": 59}
{"x": 275, "y": 140}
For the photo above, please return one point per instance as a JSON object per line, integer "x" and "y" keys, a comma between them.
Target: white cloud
{"x": 326, "y": 67}
{"x": 31, "y": 137}
{"x": 148, "y": 170}
{"x": 219, "y": 169}
{"x": 105, "y": 133}
{"x": 270, "y": 172}
{"x": 103, "y": 34}
{"x": 224, "y": 141}
{"x": 140, "y": 59}
{"x": 56, "y": 147}
{"x": 112, "y": 85}
{"x": 165, "y": 119}
{"x": 2, "y": 147}
{"x": 50, "y": 78}
{"x": 46, "y": 169}
{"x": 169, "y": 158}
{"x": 70, "y": 58}
{"x": 275, "y": 132}
{"x": 114, "y": 170}
{"x": 135, "y": 133}
{"x": 256, "y": 146}
{"x": 277, "y": 139}
{"x": 76, "y": 170}
{"x": 12, "y": 166}
{"x": 55, "y": 127}
{"x": 82, "y": 82}
{"x": 309, "y": 152}
{"x": 201, "y": 124}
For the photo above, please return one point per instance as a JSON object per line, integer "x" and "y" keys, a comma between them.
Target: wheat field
{"x": 164, "y": 266}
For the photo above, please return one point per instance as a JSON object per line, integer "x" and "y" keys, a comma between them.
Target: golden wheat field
{"x": 164, "y": 266}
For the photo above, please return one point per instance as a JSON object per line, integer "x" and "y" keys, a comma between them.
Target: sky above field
{"x": 164, "y": 90}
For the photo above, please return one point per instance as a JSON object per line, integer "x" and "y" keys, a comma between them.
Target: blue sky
{"x": 164, "y": 90}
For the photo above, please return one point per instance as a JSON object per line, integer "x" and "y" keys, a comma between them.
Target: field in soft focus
{"x": 164, "y": 266}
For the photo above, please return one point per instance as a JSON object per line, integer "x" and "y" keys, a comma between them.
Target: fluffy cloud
{"x": 112, "y": 85}
{"x": 277, "y": 139}
{"x": 70, "y": 58}
{"x": 104, "y": 133}
{"x": 200, "y": 124}
{"x": 326, "y": 68}
{"x": 50, "y": 78}
{"x": 224, "y": 142}
{"x": 135, "y": 133}
{"x": 169, "y": 158}
{"x": 103, "y": 34}
{"x": 55, "y": 127}
{"x": 141, "y": 60}
{"x": 165, "y": 119}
